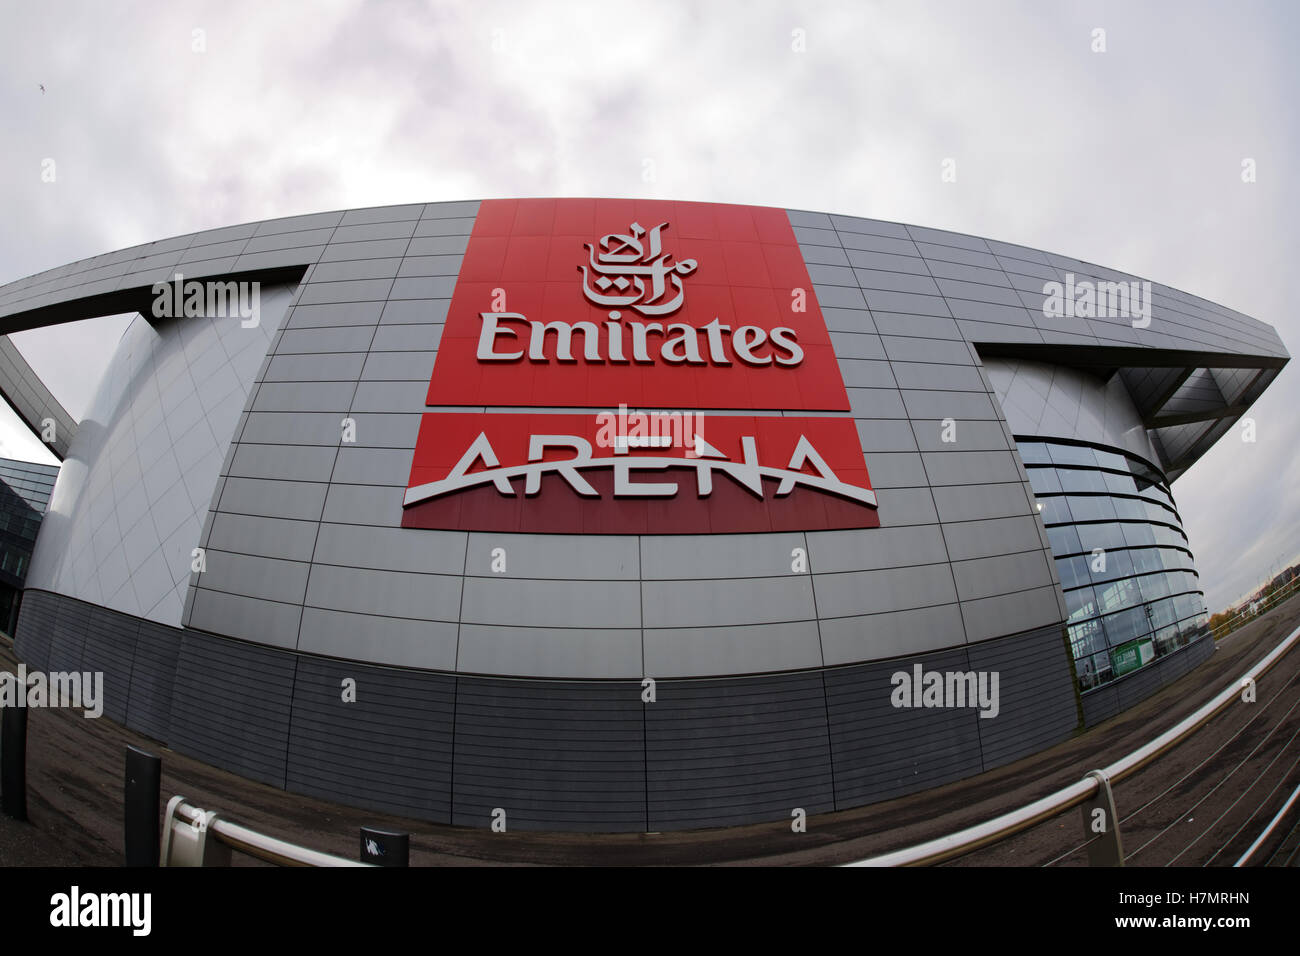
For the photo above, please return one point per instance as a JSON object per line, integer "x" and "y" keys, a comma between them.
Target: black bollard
{"x": 13, "y": 762}
{"x": 385, "y": 848}
{"x": 140, "y": 817}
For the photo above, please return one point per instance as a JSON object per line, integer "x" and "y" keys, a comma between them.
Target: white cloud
{"x": 1128, "y": 158}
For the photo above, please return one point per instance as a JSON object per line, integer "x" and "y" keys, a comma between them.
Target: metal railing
{"x": 194, "y": 837}
{"x": 1093, "y": 791}
{"x": 1268, "y": 830}
{"x": 1249, "y": 612}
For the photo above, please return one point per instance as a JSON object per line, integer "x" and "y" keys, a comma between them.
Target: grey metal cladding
{"x": 108, "y": 650}
{"x": 553, "y": 603}
{"x": 231, "y": 704}
{"x": 36, "y": 628}
{"x": 884, "y": 589}
{"x": 727, "y": 649}
{"x": 391, "y": 641}
{"x": 388, "y": 749}
{"x": 425, "y": 597}
{"x": 565, "y": 557}
{"x": 71, "y": 621}
{"x": 882, "y": 751}
{"x": 548, "y": 652}
{"x": 550, "y": 754}
{"x": 1036, "y": 696}
{"x": 274, "y": 623}
{"x": 726, "y": 751}
{"x": 727, "y": 602}
{"x": 989, "y": 617}
{"x": 877, "y": 636}
{"x": 153, "y": 678}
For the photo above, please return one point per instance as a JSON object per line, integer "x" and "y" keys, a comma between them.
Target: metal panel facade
{"x": 500, "y": 669}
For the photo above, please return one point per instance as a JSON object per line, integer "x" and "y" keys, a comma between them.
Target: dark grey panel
{"x": 110, "y": 649}
{"x": 719, "y": 752}
{"x": 35, "y": 629}
{"x": 389, "y": 749}
{"x": 554, "y": 755}
{"x": 1036, "y": 706}
{"x": 230, "y": 705}
{"x": 883, "y": 751}
{"x": 153, "y": 676}
{"x": 71, "y": 621}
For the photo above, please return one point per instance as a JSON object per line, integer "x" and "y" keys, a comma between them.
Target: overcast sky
{"x": 1130, "y": 158}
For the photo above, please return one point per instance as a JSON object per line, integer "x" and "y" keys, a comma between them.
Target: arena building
{"x": 622, "y": 515}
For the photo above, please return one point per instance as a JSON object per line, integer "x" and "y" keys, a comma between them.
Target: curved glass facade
{"x": 1132, "y": 593}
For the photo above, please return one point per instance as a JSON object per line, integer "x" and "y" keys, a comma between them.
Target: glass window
{"x": 1086, "y": 638}
{"x": 1126, "y": 625}
{"x": 1043, "y": 480}
{"x": 1156, "y": 493}
{"x": 1167, "y": 639}
{"x": 1159, "y": 512}
{"x": 1167, "y": 536}
{"x": 1146, "y": 559}
{"x": 1099, "y": 508}
{"x": 1155, "y": 586}
{"x": 1064, "y": 540}
{"x": 1131, "y": 509}
{"x": 1033, "y": 452}
{"x": 1080, "y": 604}
{"x": 1054, "y": 510}
{"x": 1072, "y": 455}
{"x": 1108, "y": 459}
{"x": 1119, "y": 484}
{"x": 1075, "y": 479}
{"x": 1163, "y": 613}
{"x": 1118, "y": 594}
{"x": 1189, "y": 605}
{"x": 1137, "y": 535}
{"x": 1110, "y": 565}
{"x": 1093, "y": 670}
{"x": 1072, "y": 571}
{"x": 1107, "y": 536}
{"x": 1195, "y": 628}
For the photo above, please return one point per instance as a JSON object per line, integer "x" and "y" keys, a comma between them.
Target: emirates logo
{"x": 617, "y": 272}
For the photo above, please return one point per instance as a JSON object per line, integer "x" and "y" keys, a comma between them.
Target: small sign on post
{"x": 385, "y": 848}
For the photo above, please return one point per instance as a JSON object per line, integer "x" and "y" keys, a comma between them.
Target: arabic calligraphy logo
{"x": 622, "y": 264}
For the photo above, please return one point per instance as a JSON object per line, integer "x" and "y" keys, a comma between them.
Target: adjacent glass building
{"x": 25, "y": 489}
{"x": 1132, "y": 592}
{"x": 226, "y": 538}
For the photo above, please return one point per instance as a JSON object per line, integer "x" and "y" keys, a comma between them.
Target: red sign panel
{"x": 630, "y": 474}
{"x": 623, "y": 281}
{"x": 605, "y": 304}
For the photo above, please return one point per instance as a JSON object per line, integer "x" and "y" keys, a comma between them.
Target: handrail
{"x": 1246, "y": 613}
{"x": 983, "y": 834}
{"x": 259, "y": 845}
{"x": 1272, "y": 825}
